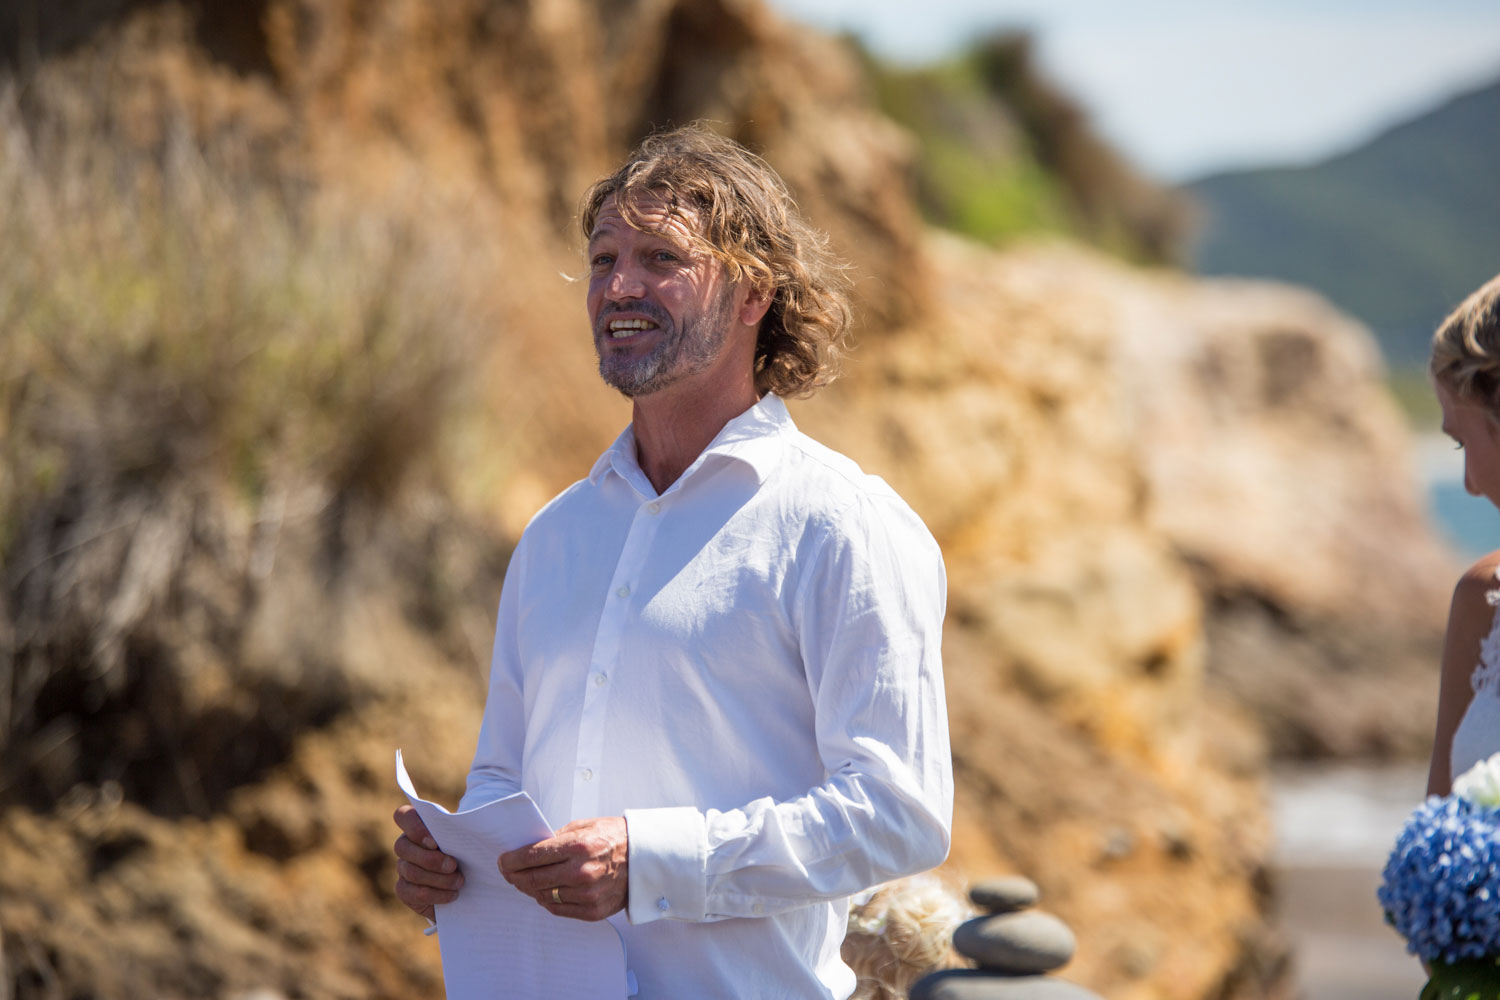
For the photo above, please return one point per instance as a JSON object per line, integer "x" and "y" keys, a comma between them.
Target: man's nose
{"x": 624, "y": 283}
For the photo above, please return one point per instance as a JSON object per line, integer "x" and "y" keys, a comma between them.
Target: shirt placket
{"x": 604, "y": 663}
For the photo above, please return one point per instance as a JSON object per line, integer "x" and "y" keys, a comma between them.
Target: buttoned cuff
{"x": 668, "y": 856}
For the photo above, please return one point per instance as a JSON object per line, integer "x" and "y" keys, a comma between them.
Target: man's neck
{"x": 672, "y": 429}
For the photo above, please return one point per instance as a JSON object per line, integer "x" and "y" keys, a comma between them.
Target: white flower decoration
{"x": 1480, "y": 784}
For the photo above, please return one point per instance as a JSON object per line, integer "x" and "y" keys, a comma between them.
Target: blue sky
{"x": 1189, "y": 88}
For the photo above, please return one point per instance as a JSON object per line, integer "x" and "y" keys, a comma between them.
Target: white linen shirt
{"x": 747, "y": 668}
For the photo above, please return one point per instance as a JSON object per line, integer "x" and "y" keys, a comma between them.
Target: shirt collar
{"x": 753, "y": 437}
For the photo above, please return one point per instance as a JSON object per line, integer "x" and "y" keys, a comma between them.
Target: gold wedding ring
{"x": 556, "y": 895}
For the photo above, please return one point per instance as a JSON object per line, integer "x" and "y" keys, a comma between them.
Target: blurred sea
{"x": 1335, "y": 824}
{"x": 1470, "y": 523}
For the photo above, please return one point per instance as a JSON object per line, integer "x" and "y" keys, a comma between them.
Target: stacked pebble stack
{"x": 1014, "y": 945}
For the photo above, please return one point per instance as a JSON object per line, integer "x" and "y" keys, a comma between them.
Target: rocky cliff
{"x": 213, "y": 642}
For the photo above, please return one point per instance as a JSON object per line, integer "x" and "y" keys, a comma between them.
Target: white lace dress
{"x": 1478, "y": 732}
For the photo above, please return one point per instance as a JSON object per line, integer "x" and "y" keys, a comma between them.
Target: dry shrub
{"x": 183, "y": 349}
{"x": 190, "y": 317}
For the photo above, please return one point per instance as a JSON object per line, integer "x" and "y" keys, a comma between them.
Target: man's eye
{"x": 665, "y": 255}
{"x": 602, "y": 260}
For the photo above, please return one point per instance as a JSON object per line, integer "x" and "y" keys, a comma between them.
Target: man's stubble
{"x": 683, "y": 351}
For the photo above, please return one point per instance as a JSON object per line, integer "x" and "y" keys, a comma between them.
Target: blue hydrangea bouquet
{"x": 1441, "y": 887}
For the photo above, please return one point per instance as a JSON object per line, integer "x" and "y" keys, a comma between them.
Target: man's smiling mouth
{"x": 619, "y": 329}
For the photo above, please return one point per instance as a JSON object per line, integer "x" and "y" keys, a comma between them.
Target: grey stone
{"x": 1029, "y": 941}
{"x": 978, "y": 984}
{"x": 1004, "y": 894}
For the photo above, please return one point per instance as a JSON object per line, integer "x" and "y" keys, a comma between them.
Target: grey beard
{"x": 683, "y": 352}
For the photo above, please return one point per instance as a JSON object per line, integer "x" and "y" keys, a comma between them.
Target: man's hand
{"x": 424, "y": 875}
{"x": 586, "y": 862}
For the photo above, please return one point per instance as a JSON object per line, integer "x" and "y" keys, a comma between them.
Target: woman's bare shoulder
{"x": 1474, "y": 597}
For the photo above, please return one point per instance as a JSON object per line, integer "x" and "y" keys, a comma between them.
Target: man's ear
{"x": 756, "y": 304}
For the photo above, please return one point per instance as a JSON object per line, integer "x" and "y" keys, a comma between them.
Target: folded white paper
{"x": 498, "y": 942}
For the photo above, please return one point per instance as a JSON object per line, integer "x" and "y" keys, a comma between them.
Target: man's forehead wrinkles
{"x": 678, "y": 235}
{"x": 645, "y": 209}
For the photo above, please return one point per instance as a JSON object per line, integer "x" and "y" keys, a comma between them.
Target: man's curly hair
{"x": 749, "y": 223}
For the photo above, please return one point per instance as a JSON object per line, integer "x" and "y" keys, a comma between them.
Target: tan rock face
{"x": 1234, "y": 384}
{"x": 1280, "y": 469}
{"x": 1076, "y": 434}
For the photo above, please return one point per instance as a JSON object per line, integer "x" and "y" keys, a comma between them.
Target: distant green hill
{"x": 1396, "y": 232}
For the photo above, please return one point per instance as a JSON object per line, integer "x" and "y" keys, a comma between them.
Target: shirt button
{"x": 663, "y": 905}
{"x": 623, "y": 591}
{"x": 586, "y": 774}
{"x": 654, "y": 508}
{"x": 758, "y": 909}
{"x": 599, "y": 680}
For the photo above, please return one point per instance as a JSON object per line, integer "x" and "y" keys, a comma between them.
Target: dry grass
{"x": 181, "y": 347}
{"x": 192, "y": 318}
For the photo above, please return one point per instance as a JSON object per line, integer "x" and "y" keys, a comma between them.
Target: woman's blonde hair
{"x": 900, "y": 933}
{"x": 749, "y": 223}
{"x": 1466, "y": 349}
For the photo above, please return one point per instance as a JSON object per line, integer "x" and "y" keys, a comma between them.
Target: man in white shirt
{"x": 717, "y": 659}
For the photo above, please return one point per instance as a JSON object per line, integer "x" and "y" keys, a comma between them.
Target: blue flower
{"x": 1441, "y": 886}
